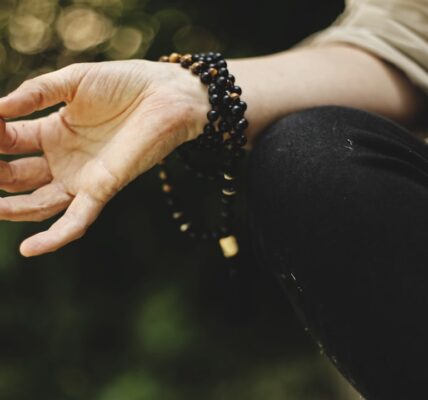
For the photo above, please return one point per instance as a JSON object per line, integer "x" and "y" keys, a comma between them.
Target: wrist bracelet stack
{"x": 223, "y": 134}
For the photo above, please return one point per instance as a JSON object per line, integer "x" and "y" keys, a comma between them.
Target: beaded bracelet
{"x": 223, "y": 134}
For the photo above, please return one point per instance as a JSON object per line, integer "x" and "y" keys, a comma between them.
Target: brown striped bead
{"x": 166, "y": 188}
{"x": 195, "y": 67}
{"x": 213, "y": 72}
{"x": 186, "y": 57}
{"x": 174, "y": 57}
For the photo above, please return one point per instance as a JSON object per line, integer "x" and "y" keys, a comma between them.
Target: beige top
{"x": 396, "y": 30}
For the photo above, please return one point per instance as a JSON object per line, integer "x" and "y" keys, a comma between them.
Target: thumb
{"x": 43, "y": 91}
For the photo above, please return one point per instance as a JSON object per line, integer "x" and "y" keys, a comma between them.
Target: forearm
{"x": 340, "y": 74}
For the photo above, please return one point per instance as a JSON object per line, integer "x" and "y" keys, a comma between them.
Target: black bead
{"x": 212, "y": 89}
{"x": 226, "y": 214}
{"x": 237, "y": 89}
{"x": 206, "y": 77}
{"x": 231, "y": 78}
{"x": 227, "y": 100}
{"x": 224, "y": 229}
{"x": 191, "y": 233}
{"x": 229, "y": 144}
{"x": 186, "y": 63}
{"x": 241, "y": 140}
{"x": 221, "y": 81}
{"x": 210, "y": 54}
{"x": 239, "y": 153}
{"x": 213, "y": 115}
{"x": 215, "y": 233}
{"x": 243, "y": 105}
{"x": 237, "y": 110}
{"x": 223, "y": 72}
{"x": 241, "y": 124}
{"x": 208, "y": 59}
{"x": 205, "y": 235}
{"x": 170, "y": 201}
{"x": 222, "y": 63}
{"x": 217, "y": 139}
{"x": 196, "y": 57}
{"x": 209, "y": 129}
{"x": 214, "y": 99}
{"x": 224, "y": 126}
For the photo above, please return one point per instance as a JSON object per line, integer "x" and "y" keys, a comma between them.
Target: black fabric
{"x": 338, "y": 210}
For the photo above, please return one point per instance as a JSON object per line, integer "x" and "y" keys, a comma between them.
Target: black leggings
{"x": 338, "y": 209}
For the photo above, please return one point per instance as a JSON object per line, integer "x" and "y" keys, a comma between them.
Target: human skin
{"x": 122, "y": 117}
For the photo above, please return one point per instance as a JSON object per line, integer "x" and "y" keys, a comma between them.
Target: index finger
{"x": 41, "y": 92}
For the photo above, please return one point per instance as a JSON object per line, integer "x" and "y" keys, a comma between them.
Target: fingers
{"x": 43, "y": 203}
{"x": 24, "y": 174}
{"x": 43, "y": 91}
{"x": 21, "y": 137}
{"x": 81, "y": 213}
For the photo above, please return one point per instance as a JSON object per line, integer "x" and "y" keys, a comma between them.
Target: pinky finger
{"x": 81, "y": 213}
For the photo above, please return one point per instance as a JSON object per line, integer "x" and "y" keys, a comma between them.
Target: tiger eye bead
{"x": 186, "y": 61}
{"x": 174, "y": 57}
{"x": 164, "y": 59}
{"x": 196, "y": 67}
{"x": 213, "y": 72}
{"x": 162, "y": 175}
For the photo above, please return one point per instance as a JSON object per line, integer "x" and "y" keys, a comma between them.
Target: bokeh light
{"x": 82, "y": 28}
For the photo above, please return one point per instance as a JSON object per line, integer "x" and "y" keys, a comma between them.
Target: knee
{"x": 302, "y": 154}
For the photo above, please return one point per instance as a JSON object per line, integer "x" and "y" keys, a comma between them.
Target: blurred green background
{"x": 133, "y": 310}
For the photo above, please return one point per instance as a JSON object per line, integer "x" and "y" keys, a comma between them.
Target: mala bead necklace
{"x": 223, "y": 135}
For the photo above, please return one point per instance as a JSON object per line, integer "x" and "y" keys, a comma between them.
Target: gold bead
{"x": 174, "y": 57}
{"x": 164, "y": 59}
{"x": 228, "y": 192}
{"x": 177, "y": 214}
{"x": 184, "y": 227}
{"x": 234, "y": 96}
{"x": 163, "y": 175}
{"x": 166, "y": 188}
{"x": 229, "y": 246}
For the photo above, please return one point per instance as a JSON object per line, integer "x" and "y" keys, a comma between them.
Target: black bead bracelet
{"x": 223, "y": 134}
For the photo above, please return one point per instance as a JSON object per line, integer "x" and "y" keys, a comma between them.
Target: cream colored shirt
{"x": 395, "y": 30}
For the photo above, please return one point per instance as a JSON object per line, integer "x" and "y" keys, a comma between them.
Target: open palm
{"x": 120, "y": 119}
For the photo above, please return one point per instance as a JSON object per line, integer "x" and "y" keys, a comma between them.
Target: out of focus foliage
{"x": 133, "y": 311}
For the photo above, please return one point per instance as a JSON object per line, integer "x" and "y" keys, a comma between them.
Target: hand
{"x": 120, "y": 119}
